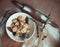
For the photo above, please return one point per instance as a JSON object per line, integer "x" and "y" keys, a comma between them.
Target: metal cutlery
{"x": 6, "y": 16}
{"x": 33, "y": 10}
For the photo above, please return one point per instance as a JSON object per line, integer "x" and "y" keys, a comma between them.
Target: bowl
{"x": 9, "y": 22}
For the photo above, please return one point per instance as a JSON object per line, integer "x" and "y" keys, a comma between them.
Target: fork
{"x": 6, "y": 16}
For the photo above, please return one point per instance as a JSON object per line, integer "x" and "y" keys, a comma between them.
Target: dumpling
{"x": 14, "y": 29}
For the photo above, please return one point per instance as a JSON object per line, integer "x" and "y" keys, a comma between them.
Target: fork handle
{"x": 5, "y": 17}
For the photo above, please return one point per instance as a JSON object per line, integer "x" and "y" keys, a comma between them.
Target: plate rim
{"x": 30, "y": 36}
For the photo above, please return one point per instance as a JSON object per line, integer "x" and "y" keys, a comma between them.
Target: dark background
{"x": 43, "y": 5}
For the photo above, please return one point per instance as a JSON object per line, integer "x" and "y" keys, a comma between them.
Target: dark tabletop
{"x": 43, "y": 5}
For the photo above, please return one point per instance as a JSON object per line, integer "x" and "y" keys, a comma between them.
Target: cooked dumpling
{"x": 14, "y": 29}
{"x": 17, "y": 35}
{"x": 12, "y": 25}
{"x": 17, "y": 23}
{"x": 20, "y": 26}
{"x": 14, "y": 20}
{"x": 21, "y": 18}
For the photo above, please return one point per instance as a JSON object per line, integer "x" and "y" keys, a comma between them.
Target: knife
{"x": 31, "y": 11}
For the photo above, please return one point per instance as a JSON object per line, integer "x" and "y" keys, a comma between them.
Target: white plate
{"x": 9, "y": 21}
